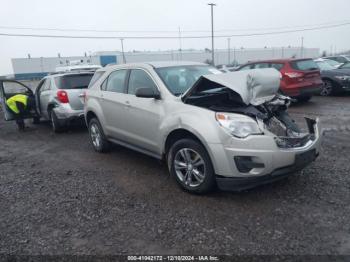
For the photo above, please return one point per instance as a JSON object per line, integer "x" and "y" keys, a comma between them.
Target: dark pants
{"x": 20, "y": 116}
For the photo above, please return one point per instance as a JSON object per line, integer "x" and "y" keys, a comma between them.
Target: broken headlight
{"x": 238, "y": 126}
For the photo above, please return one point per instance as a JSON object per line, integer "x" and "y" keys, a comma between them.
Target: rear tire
{"x": 189, "y": 163}
{"x": 97, "y": 136}
{"x": 56, "y": 126}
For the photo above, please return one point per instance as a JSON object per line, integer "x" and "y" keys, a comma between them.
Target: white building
{"x": 31, "y": 68}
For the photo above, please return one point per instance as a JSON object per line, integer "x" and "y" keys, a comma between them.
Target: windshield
{"x": 324, "y": 66}
{"x": 179, "y": 79}
{"x": 332, "y": 62}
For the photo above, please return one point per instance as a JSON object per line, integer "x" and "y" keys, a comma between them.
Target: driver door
{"x": 9, "y": 88}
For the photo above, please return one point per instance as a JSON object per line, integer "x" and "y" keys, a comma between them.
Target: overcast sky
{"x": 167, "y": 15}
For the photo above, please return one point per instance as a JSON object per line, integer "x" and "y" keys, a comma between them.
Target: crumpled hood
{"x": 255, "y": 86}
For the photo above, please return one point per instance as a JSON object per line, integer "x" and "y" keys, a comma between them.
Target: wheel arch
{"x": 182, "y": 133}
{"x": 178, "y": 134}
{"x": 50, "y": 106}
{"x": 90, "y": 115}
{"x": 327, "y": 78}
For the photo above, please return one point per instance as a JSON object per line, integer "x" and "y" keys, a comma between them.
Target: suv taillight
{"x": 294, "y": 74}
{"x": 62, "y": 96}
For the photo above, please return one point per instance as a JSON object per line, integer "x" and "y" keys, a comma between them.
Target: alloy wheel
{"x": 189, "y": 167}
{"x": 327, "y": 88}
{"x": 95, "y": 135}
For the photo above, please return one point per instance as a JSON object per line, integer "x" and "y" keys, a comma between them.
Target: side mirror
{"x": 147, "y": 92}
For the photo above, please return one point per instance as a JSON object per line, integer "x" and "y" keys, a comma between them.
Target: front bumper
{"x": 344, "y": 85}
{"x": 273, "y": 162}
{"x": 243, "y": 183}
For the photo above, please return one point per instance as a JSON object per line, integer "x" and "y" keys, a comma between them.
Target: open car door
{"x": 9, "y": 88}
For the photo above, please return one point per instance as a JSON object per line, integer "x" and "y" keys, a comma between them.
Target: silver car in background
{"x": 231, "y": 130}
{"x": 60, "y": 98}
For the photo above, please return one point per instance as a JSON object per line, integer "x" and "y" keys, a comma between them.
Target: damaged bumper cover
{"x": 251, "y": 167}
{"x": 66, "y": 114}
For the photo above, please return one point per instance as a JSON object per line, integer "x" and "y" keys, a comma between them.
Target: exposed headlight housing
{"x": 238, "y": 126}
{"x": 343, "y": 78}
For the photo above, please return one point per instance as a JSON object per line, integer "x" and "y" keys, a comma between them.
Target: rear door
{"x": 113, "y": 104}
{"x": 9, "y": 88}
{"x": 75, "y": 86}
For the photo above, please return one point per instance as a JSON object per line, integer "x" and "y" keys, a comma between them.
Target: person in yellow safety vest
{"x": 20, "y": 105}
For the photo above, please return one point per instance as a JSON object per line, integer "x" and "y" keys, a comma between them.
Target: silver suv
{"x": 60, "y": 97}
{"x": 230, "y": 130}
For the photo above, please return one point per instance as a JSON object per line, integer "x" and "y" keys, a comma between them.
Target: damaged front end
{"x": 253, "y": 93}
{"x": 286, "y": 132}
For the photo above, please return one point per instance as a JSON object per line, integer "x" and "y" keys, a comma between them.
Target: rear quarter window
{"x": 80, "y": 81}
{"x": 96, "y": 77}
{"x": 304, "y": 65}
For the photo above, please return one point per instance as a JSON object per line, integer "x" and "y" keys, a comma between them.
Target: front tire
{"x": 190, "y": 165}
{"x": 328, "y": 88}
{"x": 97, "y": 136}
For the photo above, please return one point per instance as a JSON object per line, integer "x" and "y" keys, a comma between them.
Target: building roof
{"x": 158, "y": 64}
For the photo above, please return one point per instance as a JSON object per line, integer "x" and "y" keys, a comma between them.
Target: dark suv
{"x": 300, "y": 77}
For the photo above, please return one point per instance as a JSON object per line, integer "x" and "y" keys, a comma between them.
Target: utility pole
{"x": 212, "y": 32}
{"x": 228, "y": 51}
{"x": 121, "y": 40}
{"x": 302, "y": 47}
{"x": 180, "y": 43}
{"x": 234, "y": 56}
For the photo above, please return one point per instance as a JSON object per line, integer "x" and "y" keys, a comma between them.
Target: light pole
{"x": 228, "y": 51}
{"x": 302, "y": 47}
{"x": 212, "y": 32}
{"x": 180, "y": 43}
{"x": 121, "y": 40}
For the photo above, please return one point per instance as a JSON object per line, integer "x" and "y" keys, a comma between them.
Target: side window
{"x": 277, "y": 66}
{"x": 48, "y": 84}
{"x": 341, "y": 59}
{"x": 12, "y": 88}
{"x": 104, "y": 84}
{"x": 262, "y": 65}
{"x": 116, "y": 81}
{"x": 138, "y": 79}
{"x": 40, "y": 85}
{"x": 45, "y": 85}
{"x": 95, "y": 78}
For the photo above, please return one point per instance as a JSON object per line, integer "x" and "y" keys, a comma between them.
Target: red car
{"x": 301, "y": 78}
